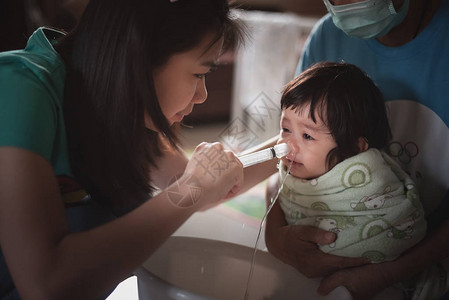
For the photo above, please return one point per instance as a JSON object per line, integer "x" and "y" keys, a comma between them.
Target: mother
{"x": 86, "y": 139}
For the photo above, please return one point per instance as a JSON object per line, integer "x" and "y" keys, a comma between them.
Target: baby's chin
{"x": 297, "y": 175}
{"x": 302, "y": 177}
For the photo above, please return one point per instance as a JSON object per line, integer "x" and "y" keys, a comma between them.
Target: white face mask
{"x": 367, "y": 19}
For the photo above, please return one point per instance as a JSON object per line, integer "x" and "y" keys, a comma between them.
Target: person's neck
{"x": 419, "y": 15}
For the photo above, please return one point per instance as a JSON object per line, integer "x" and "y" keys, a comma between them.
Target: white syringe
{"x": 278, "y": 151}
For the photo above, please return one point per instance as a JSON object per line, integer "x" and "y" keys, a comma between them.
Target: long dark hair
{"x": 110, "y": 57}
{"x": 347, "y": 100}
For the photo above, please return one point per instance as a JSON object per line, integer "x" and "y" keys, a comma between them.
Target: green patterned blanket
{"x": 367, "y": 200}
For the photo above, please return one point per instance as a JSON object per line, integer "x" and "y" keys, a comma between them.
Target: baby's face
{"x": 310, "y": 143}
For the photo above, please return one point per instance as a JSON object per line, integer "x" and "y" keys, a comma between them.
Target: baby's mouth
{"x": 288, "y": 162}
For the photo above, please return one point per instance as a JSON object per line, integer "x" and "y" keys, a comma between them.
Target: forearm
{"x": 45, "y": 260}
{"x": 92, "y": 254}
{"x": 141, "y": 232}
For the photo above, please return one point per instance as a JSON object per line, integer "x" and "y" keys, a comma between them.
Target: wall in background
{"x": 301, "y": 7}
{"x": 233, "y": 87}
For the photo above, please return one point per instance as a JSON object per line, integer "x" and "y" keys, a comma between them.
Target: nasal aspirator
{"x": 261, "y": 156}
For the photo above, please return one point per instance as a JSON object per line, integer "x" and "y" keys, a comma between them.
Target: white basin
{"x": 196, "y": 268}
{"x": 209, "y": 257}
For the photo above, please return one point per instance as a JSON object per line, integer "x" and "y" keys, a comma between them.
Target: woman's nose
{"x": 200, "y": 93}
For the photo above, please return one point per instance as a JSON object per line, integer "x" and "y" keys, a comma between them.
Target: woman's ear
{"x": 362, "y": 144}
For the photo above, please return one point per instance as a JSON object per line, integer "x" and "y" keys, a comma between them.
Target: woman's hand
{"x": 298, "y": 245}
{"x": 217, "y": 173}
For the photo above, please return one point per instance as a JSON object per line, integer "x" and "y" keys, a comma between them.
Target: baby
{"x": 335, "y": 121}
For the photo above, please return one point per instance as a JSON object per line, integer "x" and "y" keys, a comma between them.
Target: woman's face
{"x": 310, "y": 143}
{"x": 180, "y": 83}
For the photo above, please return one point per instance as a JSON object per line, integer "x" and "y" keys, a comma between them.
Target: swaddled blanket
{"x": 367, "y": 200}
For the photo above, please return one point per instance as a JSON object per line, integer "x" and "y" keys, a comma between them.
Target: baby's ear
{"x": 362, "y": 144}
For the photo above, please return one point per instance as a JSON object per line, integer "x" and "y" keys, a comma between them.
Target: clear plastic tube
{"x": 258, "y": 157}
{"x": 272, "y": 201}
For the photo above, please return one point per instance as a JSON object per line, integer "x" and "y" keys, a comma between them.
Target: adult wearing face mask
{"x": 404, "y": 46}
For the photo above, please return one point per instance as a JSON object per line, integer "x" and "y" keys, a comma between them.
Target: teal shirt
{"x": 31, "y": 96}
{"x": 31, "y": 117}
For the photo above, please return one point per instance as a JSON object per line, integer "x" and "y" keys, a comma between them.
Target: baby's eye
{"x": 307, "y": 137}
{"x": 285, "y": 130}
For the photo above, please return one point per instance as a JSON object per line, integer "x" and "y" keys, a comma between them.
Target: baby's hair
{"x": 347, "y": 100}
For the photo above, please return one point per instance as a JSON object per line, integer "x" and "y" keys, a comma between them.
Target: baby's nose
{"x": 294, "y": 148}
